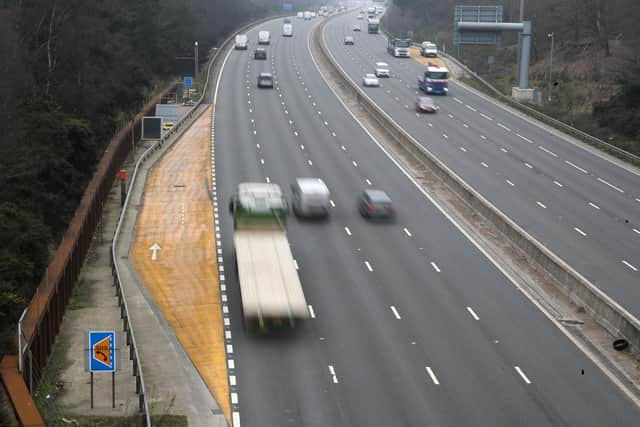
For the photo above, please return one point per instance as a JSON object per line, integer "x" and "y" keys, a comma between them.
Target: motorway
{"x": 412, "y": 325}
{"x": 584, "y": 208}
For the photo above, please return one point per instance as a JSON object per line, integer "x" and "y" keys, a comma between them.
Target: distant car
{"x": 287, "y": 20}
{"x": 356, "y": 28}
{"x": 360, "y": 16}
{"x": 265, "y": 80}
{"x": 424, "y": 104}
{"x": 382, "y": 69}
{"x": 167, "y": 126}
{"x": 376, "y": 204}
{"x": 370, "y": 80}
{"x": 260, "y": 53}
{"x": 349, "y": 40}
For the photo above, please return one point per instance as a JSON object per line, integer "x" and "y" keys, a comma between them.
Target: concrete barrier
{"x": 609, "y": 314}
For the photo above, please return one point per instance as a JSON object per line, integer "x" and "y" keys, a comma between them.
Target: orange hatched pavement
{"x": 177, "y": 215}
{"x": 415, "y": 54}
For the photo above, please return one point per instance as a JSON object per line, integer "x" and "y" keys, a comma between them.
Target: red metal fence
{"x": 42, "y": 319}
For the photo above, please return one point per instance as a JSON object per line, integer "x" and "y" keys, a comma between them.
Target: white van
{"x": 241, "y": 41}
{"x": 287, "y": 30}
{"x": 307, "y": 15}
{"x": 264, "y": 37}
{"x": 429, "y": 49}
{"x": 310, "y": 197}
{"x": 300, "y": 15}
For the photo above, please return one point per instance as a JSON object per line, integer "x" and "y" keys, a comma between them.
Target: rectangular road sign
{"x": 188, "y": 81}
{"x": 151, "y": 128}
{"x": 102, "y": 351}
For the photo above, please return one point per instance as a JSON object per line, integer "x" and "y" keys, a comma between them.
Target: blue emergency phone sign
{"x": 102, "y": 351}
{"x": 188, "y": 82}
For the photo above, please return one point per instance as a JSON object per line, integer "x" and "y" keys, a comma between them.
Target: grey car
{"x": 376, "y": 204}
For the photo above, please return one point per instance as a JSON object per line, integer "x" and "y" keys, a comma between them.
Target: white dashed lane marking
{"x": 524, "y": 377}
{"x": 611, "y": 185}
{"x": 576, "y": 166}
{"x": 432, "y": 375}
{"x": 473, "y": 313}
{"x": 395, "y": 312}
{"x": 580, "y": 232}
{"x": 631, "y": 266}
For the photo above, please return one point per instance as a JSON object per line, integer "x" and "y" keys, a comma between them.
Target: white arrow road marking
{"x": 154, "y": 251}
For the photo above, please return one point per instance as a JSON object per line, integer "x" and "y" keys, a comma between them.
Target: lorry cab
{"x": 435, "y": 80}
{"x": 310, "y": 198}
{"x": 241, "y": 42}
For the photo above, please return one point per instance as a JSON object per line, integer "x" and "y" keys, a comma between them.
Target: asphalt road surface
{"x": 584, "y": 208}
{"x": 412, "y": 325}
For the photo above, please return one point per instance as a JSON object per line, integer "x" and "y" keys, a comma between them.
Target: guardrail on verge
{"x": 609, "y": 314}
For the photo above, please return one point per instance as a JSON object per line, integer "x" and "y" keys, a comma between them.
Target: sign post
{"x": 188, "y": 82}
{"x": 103, "y": 354}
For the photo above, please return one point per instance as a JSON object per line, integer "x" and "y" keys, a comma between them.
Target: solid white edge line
{"x": 498, "y": 265}
{"x": 524, "y": 377}
{"x": 432, "y": 375}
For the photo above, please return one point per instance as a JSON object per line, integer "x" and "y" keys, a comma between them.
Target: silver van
{"x": 310, "y": 197}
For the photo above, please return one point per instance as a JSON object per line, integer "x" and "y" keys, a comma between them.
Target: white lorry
{"x": 241, "y": 42}
{"x": 264, "y": 37}
{"x": 270, "y": 288}
{"x": 287, "y": 29}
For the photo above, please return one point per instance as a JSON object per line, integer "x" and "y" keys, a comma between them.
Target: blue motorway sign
{"x": 188, "y": 81}
{"x": 102, "y": 351}
{"x": 287, "y": 7}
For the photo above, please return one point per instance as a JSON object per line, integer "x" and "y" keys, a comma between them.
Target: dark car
{"x": 265, "y": 80}
{"x": 424, "y": 104}
{"x": 376, "y": 204}
{"x": 260, "y": 53}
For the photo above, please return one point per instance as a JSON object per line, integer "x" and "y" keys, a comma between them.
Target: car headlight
{"x": 446, "y": 89}
{"x": 429, "y": 89}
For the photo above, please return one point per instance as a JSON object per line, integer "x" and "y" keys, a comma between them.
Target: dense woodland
{"x": 596, "y": 60}
{"x": 72, "y": 71}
